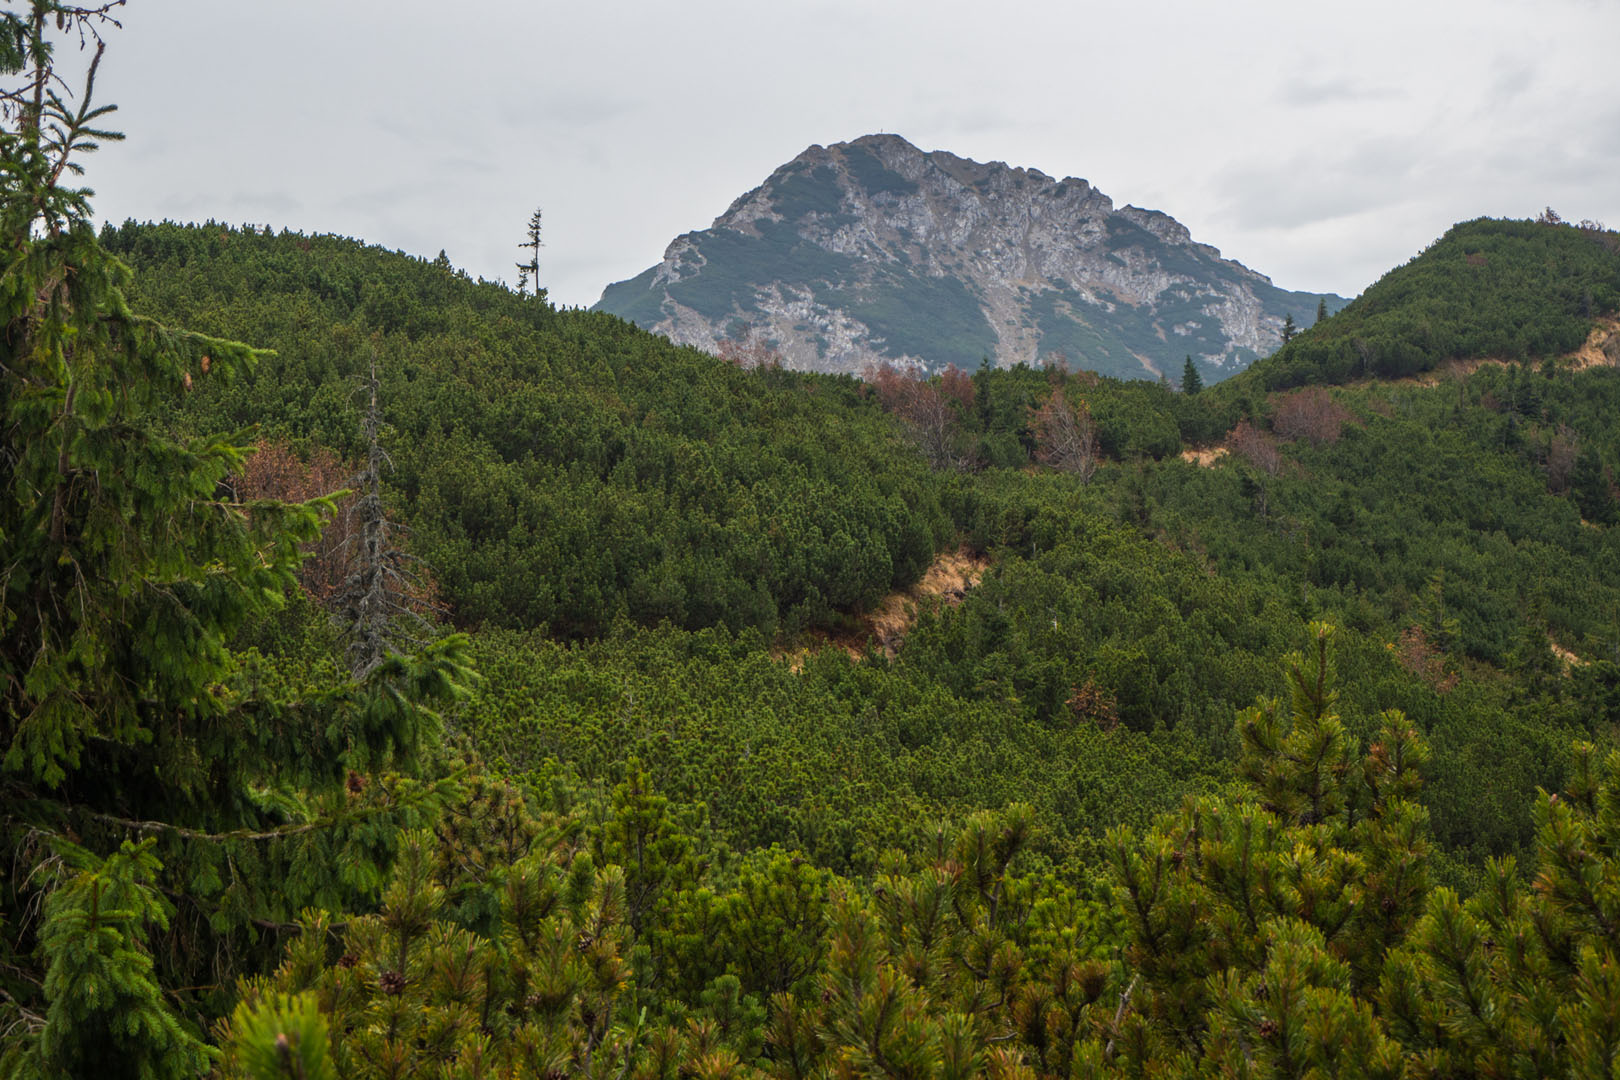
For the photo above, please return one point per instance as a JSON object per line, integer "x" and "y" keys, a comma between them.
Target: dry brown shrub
{"x": 1256, "y": 447}
{"x": 957, "y": 386}
{"x": 1065, "y": 435}
{"x": 1091, "y": 702}
{"x": 1312, "y": 414}
{"x": 931, "y": 409}
{"x": 749, "y": 355}
{"x": 1417, "y": 655}
{"x": 276, "y": 471}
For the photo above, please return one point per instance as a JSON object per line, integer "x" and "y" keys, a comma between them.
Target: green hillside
{"x": 1277, "y": 738}
{"x": 1091, "y": 676}
{"x": 562, "y": 472}
{"x": 557, "y": 468}
{"x": 1505, "y": 290}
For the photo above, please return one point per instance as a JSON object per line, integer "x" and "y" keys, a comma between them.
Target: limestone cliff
{"x": 874, "y": 250}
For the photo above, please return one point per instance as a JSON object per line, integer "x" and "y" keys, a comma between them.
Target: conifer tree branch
{"x": 392, "y": 803}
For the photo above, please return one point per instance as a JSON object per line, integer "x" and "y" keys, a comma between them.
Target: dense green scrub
{"x": 565, "y": 474}
{"x": 557, "y": 468}
{"x": 642, "y": 538}
{"x": 1188, "y": 784}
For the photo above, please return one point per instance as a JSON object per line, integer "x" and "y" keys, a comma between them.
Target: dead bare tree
{"x": 931, "y": 410}
{"x": 1311, "y": 414}
{"x": 384, "y": 603}
{"x": 1066, "y": 435}
{"x": 749, "y": 355}
{"x": 1563, "y": 447}
{"x": 1259, "y": 449}
{"x": 1255, "y": 446}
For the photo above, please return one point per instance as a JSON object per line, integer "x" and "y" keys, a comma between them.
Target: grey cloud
{"x": 1308, "y": 188}
{"x": 274, "y": 202}
{"x": 575, "y": 110}
{"x": 955, "y": 121}
{"x": 1335, "y": 91}
{"x": 1510, "y": 83}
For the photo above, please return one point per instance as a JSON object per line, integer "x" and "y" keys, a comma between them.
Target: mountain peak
{"x": 875, "y": 250}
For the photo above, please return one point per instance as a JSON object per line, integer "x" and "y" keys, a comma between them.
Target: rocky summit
{"x": 875, "y": 251}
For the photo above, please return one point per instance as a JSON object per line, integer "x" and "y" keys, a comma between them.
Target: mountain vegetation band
{"x": 1276, "y": 739}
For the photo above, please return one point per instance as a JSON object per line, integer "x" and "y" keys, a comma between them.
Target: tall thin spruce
{"x": 530, "y": 270}
{"x": 380, "y": 605}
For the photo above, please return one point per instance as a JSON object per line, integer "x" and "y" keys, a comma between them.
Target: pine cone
{"x": 392, "y": 983}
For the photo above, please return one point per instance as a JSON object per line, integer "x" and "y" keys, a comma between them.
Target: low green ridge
{"x": 1503, "y": 290}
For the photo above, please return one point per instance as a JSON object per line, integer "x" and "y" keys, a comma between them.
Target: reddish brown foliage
{"x": 1091, "y": 702}
{"x": 1256, "y": 447}
{"x": 749, "y": 355}
{"x": 930, "y": 408}
{"x": 274, "y": 471}
{"x": 890, "y": 384}
{"x": 957, "y": 386}
{"x": 1311, "y": 413}
{"x": 1422, "y": 659}
{"x": 1065, "y": 435}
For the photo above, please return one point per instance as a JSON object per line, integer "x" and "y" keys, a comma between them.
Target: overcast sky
{"x": 1320, "y": 144}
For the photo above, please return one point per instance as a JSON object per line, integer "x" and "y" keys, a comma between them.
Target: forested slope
{"x": 1228, "y": 765}
{"x": 560, "y": 470}
{"x": 557, "y": 468}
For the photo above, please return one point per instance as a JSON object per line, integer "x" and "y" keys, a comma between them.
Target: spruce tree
{"x": 1191, "y": 381}
{"x": 161, "y": 808}
{"x": 530, "y": 270}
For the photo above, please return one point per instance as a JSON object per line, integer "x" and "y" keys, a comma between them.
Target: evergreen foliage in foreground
{"x": 166, "y": 812}
{"x": 1288, "y": 929}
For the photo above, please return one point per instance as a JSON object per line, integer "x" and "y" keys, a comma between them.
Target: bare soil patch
{"x": 1565, "y": 657}
{"x": 945, "y": 582}
{"x": 1205, "y": 458}
{"x": 1602, "y": 348}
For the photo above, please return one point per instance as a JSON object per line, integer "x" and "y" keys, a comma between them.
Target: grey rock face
{"x": 875, "y": 251}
